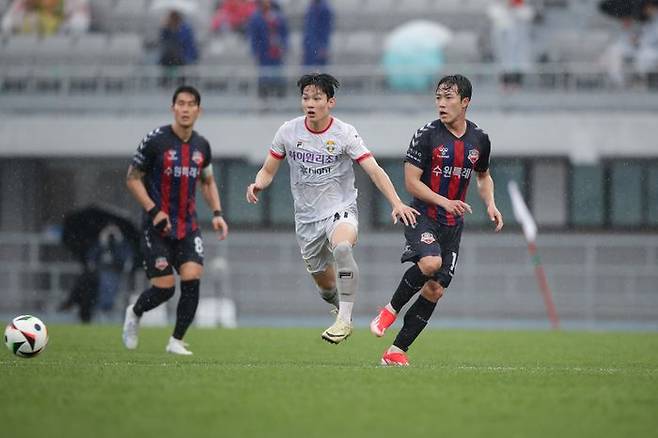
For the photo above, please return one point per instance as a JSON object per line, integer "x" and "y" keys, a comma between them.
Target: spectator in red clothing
{"x": 233, "y": 15}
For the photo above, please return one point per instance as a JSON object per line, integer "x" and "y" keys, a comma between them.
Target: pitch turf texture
{"x": 288, "y": 383}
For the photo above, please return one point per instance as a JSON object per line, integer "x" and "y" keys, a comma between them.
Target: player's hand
{"x": 220, "y": 226}
{"x": 252, "y": 193}
{"x": 161, "y": 222}
{"x": 455, "y": 206}
{"x": 405, "y": 213}
{"x": 495, "y": 217}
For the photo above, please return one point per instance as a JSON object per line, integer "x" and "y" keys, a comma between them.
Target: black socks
{"x": 152, "y": 298}
{"x": 412, "y": 281}
{"x": 189, "y": 300}
{"x": 415, "y": 321}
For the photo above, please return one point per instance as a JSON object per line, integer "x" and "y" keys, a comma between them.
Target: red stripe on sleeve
{"x": 277, "y": 155}
{"x": 363, "y": 157}
{"x": 183, "y": 192}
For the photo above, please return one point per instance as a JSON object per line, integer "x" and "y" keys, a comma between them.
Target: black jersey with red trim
{"x": 172, "y": 169}
{"x": 448, "y": 163}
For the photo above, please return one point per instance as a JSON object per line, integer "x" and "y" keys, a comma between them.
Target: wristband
{"x": 153, "y": 212}
{"x": 217, "y": 213}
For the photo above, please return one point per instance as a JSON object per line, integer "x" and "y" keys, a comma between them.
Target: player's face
{"x": 186, "y": 110}
{"x": 450, "y": 105}
{"x": 316, "y": 104}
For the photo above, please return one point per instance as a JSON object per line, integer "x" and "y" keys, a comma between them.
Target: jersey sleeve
{"x": 146, "y": 151}
{"x": 482, "y": 164}
{"x": 208, "y": 155}
{"x": 278, "y": 146}
{"x": 419, "y": 150}
{"x": 355, "y": 147}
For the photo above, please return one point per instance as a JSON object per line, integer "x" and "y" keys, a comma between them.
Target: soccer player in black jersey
{"x": 163, "y": 177}
{"x": 441, "y": 159}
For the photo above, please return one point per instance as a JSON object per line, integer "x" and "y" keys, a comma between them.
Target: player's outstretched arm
{"x": 211, "y": 195}
{"x": 137, "y": 188}
{"x": 418, "y": 189}
{"x": 379, "y": 177}
{"x": 263, "y": 179}
{"x": 486, "y": 192}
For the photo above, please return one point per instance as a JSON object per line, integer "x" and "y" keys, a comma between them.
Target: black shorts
{"x": 162, "y": 254}
{"x": 430, "y": 238}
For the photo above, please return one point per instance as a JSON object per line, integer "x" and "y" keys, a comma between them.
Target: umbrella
{"x": 82, "y": 227}
{"x": 622, "y": 8}
{"x": 413, "y": 54}
{"x": 185, "y": 7}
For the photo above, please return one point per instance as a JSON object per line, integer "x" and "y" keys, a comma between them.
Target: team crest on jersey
{"x": 443, "y": 151}
{"x": 161, "y": 263}
{"x": 473, "y": 155}
{"x": 197, "y": 157}
{"x": 331, "y": 146}
{"x": 427, "y": 238}
{"x": 171, "y": 154}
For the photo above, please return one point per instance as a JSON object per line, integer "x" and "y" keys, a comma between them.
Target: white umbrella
{"x": 413, "y": 54}
{"x": 185, "y": 7}
{"x": 418, "y": 35}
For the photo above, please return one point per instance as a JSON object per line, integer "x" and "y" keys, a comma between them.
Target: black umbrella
{"x": 623, "y": 8}
{"x": 82, "y": 227}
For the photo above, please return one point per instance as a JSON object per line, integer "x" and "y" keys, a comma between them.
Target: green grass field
{"x": 288, "y": 383}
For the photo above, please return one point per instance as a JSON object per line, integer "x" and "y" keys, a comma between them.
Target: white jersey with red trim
{"x": 321, "y": 173}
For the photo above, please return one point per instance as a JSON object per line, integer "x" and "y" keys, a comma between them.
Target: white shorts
{"x": 314, "y": 238}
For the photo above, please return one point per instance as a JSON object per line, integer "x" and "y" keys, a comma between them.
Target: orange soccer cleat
{"x": 381, "y": 322}
{"x": 395, "y": 359}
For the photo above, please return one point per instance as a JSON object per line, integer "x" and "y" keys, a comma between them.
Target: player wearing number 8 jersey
{"x": 163, "y": 178}
{"x": 320, "y": 150}
{"x": 441, "y": 160}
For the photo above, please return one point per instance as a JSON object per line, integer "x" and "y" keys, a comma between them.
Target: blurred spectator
{"x": 47, "y": 17}
{"x": 177, "y": 46}
{"x": 111, "y": 256}
{"x": 511, "y": 38}
{"x": 268, "y": 33}
{"x": 233, "y": 15}
{"x": 620, "y": 55}
{"x": 646, "y": 61}
{"x": 318, "y": 25}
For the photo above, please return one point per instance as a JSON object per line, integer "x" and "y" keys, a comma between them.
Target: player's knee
{"x": 433, "y": 291}
{"x": 165, "y": 282}
{"x": 430, "y": 265}
{"x": 342, "y": 252}
{"x": 346, "y": 266}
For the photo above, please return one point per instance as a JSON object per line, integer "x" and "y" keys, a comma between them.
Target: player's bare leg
{"x": 326, "y": 282}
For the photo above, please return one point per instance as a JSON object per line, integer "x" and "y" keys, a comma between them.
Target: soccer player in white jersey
{"x": 320, "y": 150}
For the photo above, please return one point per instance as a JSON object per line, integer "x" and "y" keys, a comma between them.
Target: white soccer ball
{"x": 26, "y": 336}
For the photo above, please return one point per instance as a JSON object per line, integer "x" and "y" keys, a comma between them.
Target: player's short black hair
{"x": 186, "y": 89}
{"x": 464, "y": 87}
{"x": 322, "y": 81}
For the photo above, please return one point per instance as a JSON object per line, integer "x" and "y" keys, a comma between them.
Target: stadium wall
{"x": 582, "y": 136}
